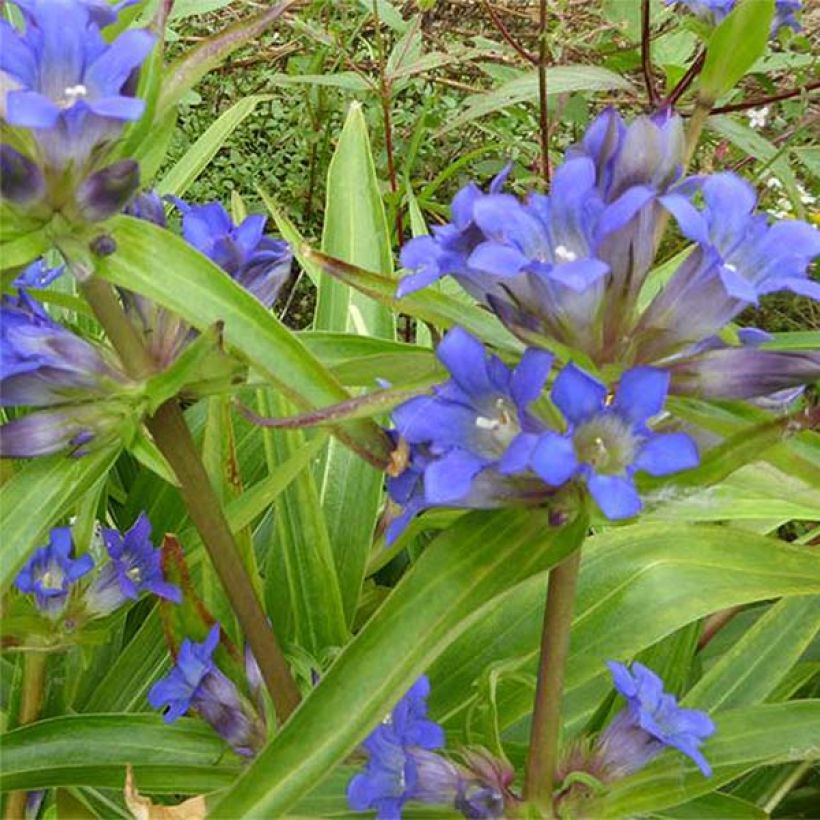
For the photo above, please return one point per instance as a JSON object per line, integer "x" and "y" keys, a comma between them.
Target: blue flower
{"x": 42, "y": 363}
{"x": 740, "y": 257}
{"x": 607, "y": 442}
{"x": 50, "y": 572}
{"x": 196, "y": 682}
{"x": 74, "y": 90}
{"x": 651, "y": 721}
{"x": 38, "y": 275}
{"x": 715, "y": 11}
{"x": 259, "y": 263}
{"x": 400, "y": 765}
{"x": 148, "y": 205}
{"x": 474, "y": 420}
{"x": 134, "y": 568}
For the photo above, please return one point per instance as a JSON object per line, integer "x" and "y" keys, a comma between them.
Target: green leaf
{"x": 715, "y": 806}
{"x": 23, "y": 250}
{"x": 196, "y": 289}
{"x": 754, "y": 666}
{"x": 745, "y": 738}
{"x": 37, "y": 496}
{"x": 93, "y": 750}
{"x": 197, "y": 157}
{"x": 679, "y": 573}
{"x": 188, "y": 70}
{"x": 355, "y": 230}
{"x": 561, "y": 79}
{"x": 450, "y": 587}
{"x": 735, "y": 45}
{"x": 302, "y": 589}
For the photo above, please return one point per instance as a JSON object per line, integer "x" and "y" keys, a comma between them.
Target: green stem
{"x": 174, "y": 440}
{"x": 703, "y": 108}
{"x": 543, "y": 113}
{"x": 542, "y": 760}
{"x": 31, "y": 701}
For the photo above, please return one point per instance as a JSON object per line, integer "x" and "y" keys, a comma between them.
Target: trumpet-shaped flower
{"x": 64, "y": 82}
{"x": 51, "y": 571}
{"x": 608, "y": 441}
{"x": 715, "y": 11}
{"x": 134, "y": 567}
{"x": 42, "y": 363}
{"x": 258, "y": 262}
{"x": 651, "y": 722}
{"x": 196, "y": 682}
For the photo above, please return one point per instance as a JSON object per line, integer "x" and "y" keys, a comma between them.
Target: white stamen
{"x": 73, "y": 93}
{"x": 730, "y": 267}
{"x": 564, "y": 254}
{"x": 483, "y": 423}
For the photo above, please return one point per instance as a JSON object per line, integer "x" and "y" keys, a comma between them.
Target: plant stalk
{"x": 543, "y": 114}
{"x": 174, "y": 440}
{"x": 34, "y": 682}
{"x": 542, "y": 759}
{"x": 646, "y": 54}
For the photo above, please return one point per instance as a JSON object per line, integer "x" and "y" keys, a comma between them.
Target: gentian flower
{"x": 607, "y": 442}
{"x": 259, "y": 263}
{"x": 569, "y": 266}
{"x": 400, "y": 765}
{"x": 650, "y": 722}
{"x": 21, "y": 180}
{"x": 38, "y": 275}
{"x": 42, "y": 363}
{"x": 197, "y": 683}
{"x": 51, "y": 571}
{"x": 715, "y": 11}
{"x": 134, "y": 567}
{"x": 65, "y": 83}
{"x": 739, "y": 258}
{"x": 472, "y": 420}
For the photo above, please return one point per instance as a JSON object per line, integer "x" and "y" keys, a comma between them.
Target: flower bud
{"x": 106, "y": 192}
{"x": 21, "y": 181}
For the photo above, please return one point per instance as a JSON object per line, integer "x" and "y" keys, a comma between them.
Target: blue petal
{"x": 737, "y": 285}
{"x": 109, "y": 72}
{"x": 554, "y": 458}
{"x": 449, "y": 479}
{"x": 616, "y": 215}
{"x": 622, "y": 679}
{"x": 463, "y": 203}
{"x": 118, "y": 108}
{"x": 28, "y": 109}
{"x": 577, "y": 395}
{"x": 641, "y": 393}
{"x": 497, "y": 259}
{"x": 516, "y": 458}
{"x": 466, "y": 359}
{"x": 615, "y": 495}
{"x": 530, "y": 375}
{"x": 667, "y": 453}
{"x": 579, "y": 275}
{"x": 690, "y": 220}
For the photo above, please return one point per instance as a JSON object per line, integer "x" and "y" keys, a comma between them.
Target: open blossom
{"x": 197, "y": 683}
{"x": 650, "y": 722}
{"x": 607, "y": 442}
{"x": 133, "y": 567}
{"x": 51, "y": 571}
{"x": 65, "y": 83}
{"x": 260, "y": 263}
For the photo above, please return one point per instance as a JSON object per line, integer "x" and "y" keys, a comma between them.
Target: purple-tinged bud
{"x": 744, "y": 372}
{"x": 103, "y": 245}
{"x": 196, "y": 682}
{"x": 77, "y": 428}
{"x": 51, "y": 571}
{"x": 21, "y": 181}
{"x": 107, "y": 192}
{"x": 148, "y": 205}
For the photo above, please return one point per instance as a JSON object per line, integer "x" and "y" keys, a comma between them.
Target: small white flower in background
{"x": 758, "y": 116}
{"x": 774, "y": 182}
{"x": 805, "y": 197}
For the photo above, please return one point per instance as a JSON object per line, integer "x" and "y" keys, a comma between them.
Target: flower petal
{"x": 615, "y": 495}
{"x": 554, "y": 458}
{"x": 577, "y": 395}
{"x": 667, "y": 453}
{"x": 641, "y": 393}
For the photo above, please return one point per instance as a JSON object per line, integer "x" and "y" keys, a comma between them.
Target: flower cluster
{"x": 67, "y": 95}
{"x": 570, "y": 268}
{"x": 51, "y": 575}
{"x": 714, "y": 11}
{"x": 476, "y": 442}
{"x": 42, "y": 364}
{"x": 402, "y": 766}
{"x": 196, "y": 682}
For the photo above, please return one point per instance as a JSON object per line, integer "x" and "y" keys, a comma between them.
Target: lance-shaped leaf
{"x": 428, "y": 305}
{"x": 186, "y": 72}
